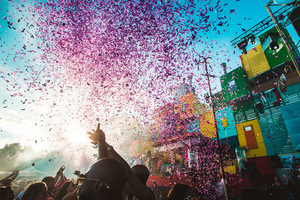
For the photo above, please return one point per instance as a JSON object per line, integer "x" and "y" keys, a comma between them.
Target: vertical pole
{"x": 217, "y": 132}
{"x": 283, "y": 38}
{"x": 224, "y": 67}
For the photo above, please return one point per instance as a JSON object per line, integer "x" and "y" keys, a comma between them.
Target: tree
{"x": 8, "y": 156}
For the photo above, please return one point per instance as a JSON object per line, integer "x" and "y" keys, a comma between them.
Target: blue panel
{"x": 290, "y": 161}
{"x": 155, "y": 136}
{"x": 291, "y": 116}
{"x": 230, "y": 129}
{"x": 276, "y": 137}
{"x": 233, "y": 142}
{"x": 193, "y": 126}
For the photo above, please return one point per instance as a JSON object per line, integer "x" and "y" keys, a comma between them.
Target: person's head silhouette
{"x": 104, "y": 180}
{"x": 142, "y": 172}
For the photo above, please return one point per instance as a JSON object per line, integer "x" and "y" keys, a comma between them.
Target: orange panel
{"x": 186, "y": 106}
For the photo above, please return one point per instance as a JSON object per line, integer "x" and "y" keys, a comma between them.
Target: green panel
{"x": 244, "y": 111}
{"x": 218, "y": 100}
{"x": 280, "y": 55}
{"x": 235, "y": 85}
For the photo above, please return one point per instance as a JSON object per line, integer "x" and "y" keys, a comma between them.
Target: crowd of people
{"x": 290, "y": 185}
{"x": 109, "y": 178}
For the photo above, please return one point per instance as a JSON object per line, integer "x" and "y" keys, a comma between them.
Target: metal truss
{"x": 281, "y": 15}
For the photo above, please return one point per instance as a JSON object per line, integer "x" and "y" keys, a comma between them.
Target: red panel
{"x": 250, "y": 137}
{"x": 161, "y": 181}
{"x": 235, "y": 183}
{"x": 263, "y": 164}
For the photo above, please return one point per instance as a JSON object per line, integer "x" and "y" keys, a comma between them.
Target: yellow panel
{"x": 224, "y": 122}
{"x": 230, "y": 169}
{"x": 207, "y": 125}
{"x": 261, "y": 150}
{"x": 254, "y": 62}
{"x": 145, "y": 146}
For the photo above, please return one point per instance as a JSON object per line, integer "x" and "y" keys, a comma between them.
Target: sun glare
{"x": 77, "y": 135}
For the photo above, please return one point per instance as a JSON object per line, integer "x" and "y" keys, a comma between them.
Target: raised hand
{"x": 77, "y": 172}
{"x": 61, "y": 169}
{"x": 98, "y": 136}
{"x": 16, "y": 171}
{"x": 93, "y": 139}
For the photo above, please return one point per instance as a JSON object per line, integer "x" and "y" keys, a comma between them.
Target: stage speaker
{"x": 276, "y": 162}
{"x": 252, "y": 170}
{"x": 242, "y": 46}
{"x": 260, "y": 108}
{"x": 295, "y": 19}
{"x": 264, "y": 193}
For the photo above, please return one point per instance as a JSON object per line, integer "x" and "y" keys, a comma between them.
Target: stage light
{"x": 242, "y": 46}
{"x": 295, "y": 19}
{"x": 271, "y": 41}
{"x": 252, "y": 39}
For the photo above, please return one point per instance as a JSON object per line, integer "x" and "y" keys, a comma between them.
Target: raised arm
{"x": 59, "y": 176}
{"x": 62, "y": 178}
{"x": 137, "y": 188}
{"x": 10, "y": 178}
{"x": 14, "y": 175}
{"x": 98, "y": 137}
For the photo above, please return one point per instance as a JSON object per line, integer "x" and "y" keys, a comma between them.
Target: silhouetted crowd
{"x": 109, "y": 178}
